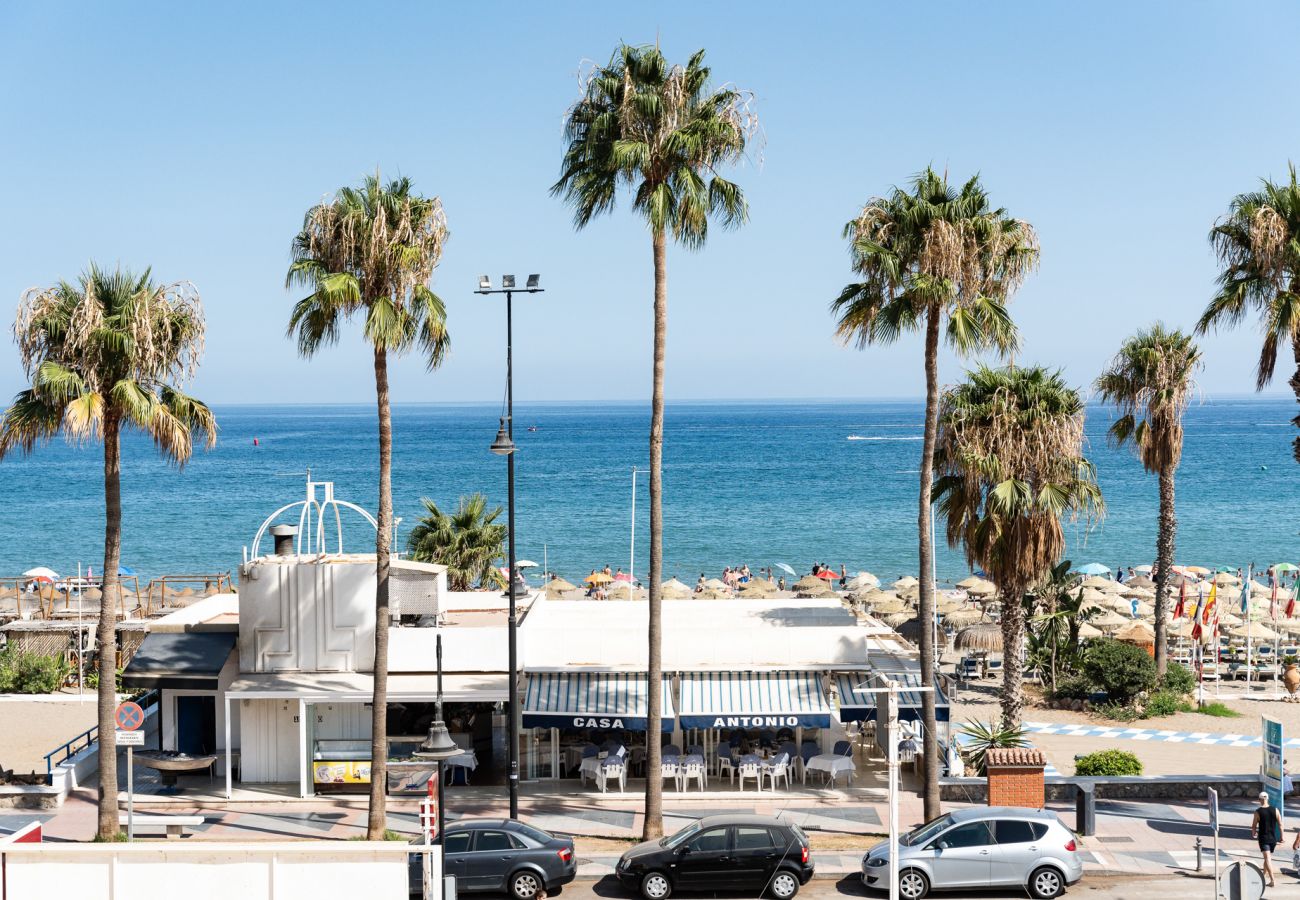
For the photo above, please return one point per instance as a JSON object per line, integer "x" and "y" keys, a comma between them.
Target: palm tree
{"x": 104, "y": 354}
{"x": 1010, "y": 465}
{"x": 934, "y": 259}
{"x": 663, "y": 132}
{"x": 468, "y": 542}
{"x": 1258, "y": 244}
{"x": 373, "y": 250}
{"x": 1149, "y": 381}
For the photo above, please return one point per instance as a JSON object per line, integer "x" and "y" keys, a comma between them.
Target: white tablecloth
{"x": 831, "y": 764}
{"x": 466, "y": 760}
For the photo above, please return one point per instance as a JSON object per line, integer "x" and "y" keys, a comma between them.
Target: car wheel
{"x": 912, "y": 884}
{"x": 525, "y": 885}
{"x": 784, "y": 885}
{"x": 1046, "y": 883}
{"x": 655, "y": 886}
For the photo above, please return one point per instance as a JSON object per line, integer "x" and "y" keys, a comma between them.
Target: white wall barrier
{"x": 306, "y": 870}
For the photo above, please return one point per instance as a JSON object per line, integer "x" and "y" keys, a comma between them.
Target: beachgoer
{"x": 1131, "y": 575}
{"x": 1266, "y": 829}
{"x": 844, "y": 576}
{"x": 699, "y": 585}
{"x": 606, "y": 569}
{"x": 780, "y": 583}
{"x": 1119, "y": 574}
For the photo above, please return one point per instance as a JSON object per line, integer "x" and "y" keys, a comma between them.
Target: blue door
{"x": 196, "y": 725}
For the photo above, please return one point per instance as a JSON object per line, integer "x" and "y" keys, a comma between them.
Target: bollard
{"x": 1085, "y": 811}
{"x": 1198, "y": 854}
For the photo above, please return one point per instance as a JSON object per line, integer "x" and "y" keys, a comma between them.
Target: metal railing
{"x": 90, "y": 736}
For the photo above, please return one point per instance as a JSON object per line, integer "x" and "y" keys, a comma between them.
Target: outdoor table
{"x": 832, "y": 764}
{"x": 589, "y": 768}
{"x": 466, "y": 762}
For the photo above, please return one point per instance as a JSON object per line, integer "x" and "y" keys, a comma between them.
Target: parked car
{"x": 992, "y": 846}
{"x": 758, "y": 853}
{"x": 502, "y": 855}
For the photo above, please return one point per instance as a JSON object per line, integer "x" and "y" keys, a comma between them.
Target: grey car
{"x": 503, "y": 855}
{"x": 991, "y": 846}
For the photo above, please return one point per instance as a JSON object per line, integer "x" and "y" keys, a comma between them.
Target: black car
{"x": 757, "y": 853}
{"x": 504, "y": 855}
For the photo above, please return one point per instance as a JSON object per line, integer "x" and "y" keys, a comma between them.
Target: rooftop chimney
{"x": 285, "y": 538}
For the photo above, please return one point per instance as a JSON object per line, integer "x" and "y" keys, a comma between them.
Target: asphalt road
{"x": 1176, "y": 887}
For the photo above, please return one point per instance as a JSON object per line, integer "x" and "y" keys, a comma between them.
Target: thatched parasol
{"x": 717, "y": 584}
{"x": 875, "y": 596}
{"x": 1086, "y": 631}
{"x": 965, "y": 616}
{"x": 1256, "y": 631}
{"x": 889, "y": 608}
{"x": 1097, "y": 582}
{"x": 894, "y": 620}
{"x": 811, "y": 593}
{"x": 1291, "y": 626}
{"x": 808, "y": 583}
{"x": 910, "y": 595}
{"x": 862, "y": 580}
{"x": 1229, "y": 619}
{"x": 982, "y": 589}
{"x": 1109, "y": 621}
{"x": 675, "y": 590}
{"x": 1092, "y": 595}
{"x": 757, "y": 587}
{"x": 1140, "y": 581}
{"x": 910, "y": 630}
{"x": 1138, "y": 592}
{"x": 986, "y": 637}
{"x": 1136, "y": 633}
{"x": 1223, "y": 579}
{"x": 557, "y": 586}
{"x": 969, "y": 582}
{"x": 945, "y": 605}
{"x": 905, "y": 582}
{"x": 711, "y": 594}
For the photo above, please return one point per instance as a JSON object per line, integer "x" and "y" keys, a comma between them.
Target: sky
{"x": 193, "y": 137}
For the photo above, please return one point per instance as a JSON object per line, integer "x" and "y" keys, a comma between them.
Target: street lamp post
{"x": 504, "y": 445}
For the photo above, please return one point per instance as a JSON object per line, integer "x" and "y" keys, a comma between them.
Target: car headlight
{"x": 622, "y": 864}
{"x": 877, "y": 861}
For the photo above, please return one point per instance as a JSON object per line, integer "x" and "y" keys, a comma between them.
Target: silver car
{"x": 990, "y": 846}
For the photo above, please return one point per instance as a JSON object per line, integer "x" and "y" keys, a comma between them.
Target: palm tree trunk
{"x": 1164, "y": 562}
{"x": 930, "y": 737}
{"x": 106, "y": 639}
{"x": 1295, "y": 387}
{"x": 1013, "y": 655}
{"x": 654, "y": 808}
{"x": 376, "y": 821}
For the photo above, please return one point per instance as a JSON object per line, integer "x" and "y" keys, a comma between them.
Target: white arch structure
{"x": 311, "y": 520}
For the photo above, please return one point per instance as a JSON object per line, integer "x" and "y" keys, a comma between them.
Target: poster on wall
{"x": 1271, "y": 772}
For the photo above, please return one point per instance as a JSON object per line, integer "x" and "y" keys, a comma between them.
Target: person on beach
{"x": 780, "y": 583}
{"x": 844, "y": 576}
{"x": 699, "y": 585}
{"x": 606, "y": 569}
{"x": 1266, "y": 829}
{"x": 1119, "y": 574}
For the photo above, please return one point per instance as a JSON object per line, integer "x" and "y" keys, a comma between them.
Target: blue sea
{"x": 746, "y": 482}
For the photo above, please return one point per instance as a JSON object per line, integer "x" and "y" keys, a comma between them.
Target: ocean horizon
{"x": 746, "y": 481}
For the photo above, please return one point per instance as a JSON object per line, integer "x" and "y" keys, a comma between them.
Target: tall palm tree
{"x": 1150, "y": 381}
{"x": 468, "y": 542}
{"x": 939, "y": 260}
{"x": 107, "y": 353}
{"x": 1258, "y": 244}
{"x": 663, "y": 132}
{"x": 1010, "y": 465}
{"x": 373, "y": 250}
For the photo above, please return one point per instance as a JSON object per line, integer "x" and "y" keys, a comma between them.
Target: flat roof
{"x": 704, "y": 636}
{"x": 342, "y": 687}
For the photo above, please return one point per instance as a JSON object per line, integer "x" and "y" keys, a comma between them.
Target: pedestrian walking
{"x": 1266, "y": 828}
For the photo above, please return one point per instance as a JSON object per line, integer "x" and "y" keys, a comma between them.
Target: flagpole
{"x": 1245, "y": 609}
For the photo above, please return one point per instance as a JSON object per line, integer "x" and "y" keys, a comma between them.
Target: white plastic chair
{"x": 692, "y": 767}
{"x": 726, "y": 761}
{"x": 750, "y": 767}
{"x": 613, "y": 766}
{"x": 777, "y": 769}
{"x": 669, "y": 768}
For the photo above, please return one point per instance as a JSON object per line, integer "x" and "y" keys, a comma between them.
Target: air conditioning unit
{"x": 413, "y": 588}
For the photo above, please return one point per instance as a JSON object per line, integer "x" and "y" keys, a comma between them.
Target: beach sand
{"x": 33, "y": 726}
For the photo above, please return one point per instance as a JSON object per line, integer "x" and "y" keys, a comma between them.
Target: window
{"x": 494, "y": 841}
{"x": 712, "y": 841}
{"x": 682, "y": 835}
{"x": 972, "y": 834}
{"x": 920, "y": 835}
{"x": 753, "y": 837}
{"x": 1013, "y": 831}
{"x": 456, "y": 842}
{"x": 532, "y": 833}
{"x": 1040, "y": 830}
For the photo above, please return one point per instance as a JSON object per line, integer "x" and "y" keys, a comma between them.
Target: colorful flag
{"x": 1245, "y": 597}
{"x": 1290, "y": 604}
{"x": 1181, "y": 609}
{"x": 1272, "y": 603}
{"x": 1209, "y": 604}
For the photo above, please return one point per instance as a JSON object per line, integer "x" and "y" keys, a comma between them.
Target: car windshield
{"x": 925, "y": 832}
{"x": 675, "y": 839}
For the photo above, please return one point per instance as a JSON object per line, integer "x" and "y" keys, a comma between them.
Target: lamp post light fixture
{"x": 438, "y": 746}
{"x": 504, "y": 445}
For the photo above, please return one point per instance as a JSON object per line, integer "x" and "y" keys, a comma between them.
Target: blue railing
{"x": 90, "y": 736}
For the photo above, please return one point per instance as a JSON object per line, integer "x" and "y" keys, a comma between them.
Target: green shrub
{"x": 1178, "y": 680}
{"x": 1165, "y": 703}
{"x": 1219, "y": 710}
{"x": 981, "y": 737}
{"x": 1072, "y": 687}
{"x": 1108, "y": 762}
{"x": 31, "y": 673}
{"x": 1119, "y": 712}
{"x": 1121, "y": 670}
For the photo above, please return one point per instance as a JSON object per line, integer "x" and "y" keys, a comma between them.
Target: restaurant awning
{"x": 358, "y": 687}
{"x": 614, "y": 700}
{"x": 860, "y": 706}
{"x": 753, "y": 700}
{"x": 189, "y": 660}
{"x": 855, "y": 706}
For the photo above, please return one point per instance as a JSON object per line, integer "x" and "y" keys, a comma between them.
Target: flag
{"x": 1272, "y": 603}
{"x": 1196, "y": 630}
{"x": 1290, "y": 604}
{"x": 1245, "y": 597}
{"x": 1180, "y": 610}
{"x": 1209, "y": 604}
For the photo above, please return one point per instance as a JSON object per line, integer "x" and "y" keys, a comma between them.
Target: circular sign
{"x": 129, "y": 716}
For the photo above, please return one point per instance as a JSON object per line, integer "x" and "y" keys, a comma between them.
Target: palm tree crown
{"x": 661, "y": 130}
{"x": 1150, "y": 383}
{"x": 1258, "y": 245}
{"x": 468, "y": 542}
{"x": 935, "y": 247}
{"x": 372, "y": 248}
{"x": 112, "y": 345}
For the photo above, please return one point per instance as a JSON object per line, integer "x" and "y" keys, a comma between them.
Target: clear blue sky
{"x": 193, "y": 137}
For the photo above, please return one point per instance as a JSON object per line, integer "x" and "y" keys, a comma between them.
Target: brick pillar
{"x": 1016, "y": 776}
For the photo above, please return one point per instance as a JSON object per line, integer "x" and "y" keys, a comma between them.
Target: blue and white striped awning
{"x": 605, "y": 700}
{"x": 753, "y": 700}
{"x": 859, "y": 706}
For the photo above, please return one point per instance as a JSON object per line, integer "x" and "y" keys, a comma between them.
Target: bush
{"x": 981, "y": 737}
{"x": 1122, "y": 670}
{"x": 1072, "y": 687}
{"x": 1119, "y": 712}
{"x": 1165, "y": 703}
{"x": 1108, "y": 762}
{"x": 1219, "y": 711}
{"x": 31, "y": 673}
{"x": 1178, "y": 680}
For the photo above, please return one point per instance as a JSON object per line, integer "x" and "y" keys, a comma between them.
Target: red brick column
{"x": 1015, "y": 776}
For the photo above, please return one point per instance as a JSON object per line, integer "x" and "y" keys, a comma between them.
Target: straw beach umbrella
{"x": 1097, "y": 582}
{"x": 962, "y": 617}
{"x": 1087, "y": 632}
{"x": 862, "y": 580}
{"x": 558, "y": 586}
{"x": 1110, "y": 620}
{"x": 889, "y": 608}
{"x": 1256, "y": 631}
{"x": 757, "y": 587}
{"x": 809, "y": 583}
{"x": 985, "y": 637}
{"x": 969, "y": 582}
{"x": 894, "y": 620}
{"x": 907, "y": 581}
{"x": 982, "y": 588}
{"x": 675, "y": 590}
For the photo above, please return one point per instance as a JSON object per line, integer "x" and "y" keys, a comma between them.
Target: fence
{"x": 87, "y": 739}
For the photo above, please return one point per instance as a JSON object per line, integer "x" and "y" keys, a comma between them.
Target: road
{"x": 1175, "y": 887}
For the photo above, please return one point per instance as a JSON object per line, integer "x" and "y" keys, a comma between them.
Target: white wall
{"x": 309, "y": 870}
{"x": 340, "y": 721}
{"x": 463, "y": 649}
{"x": 269, "y": 741}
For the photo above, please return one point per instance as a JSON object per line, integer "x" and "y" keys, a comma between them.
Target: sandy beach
{"x": 33, "y": 726}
